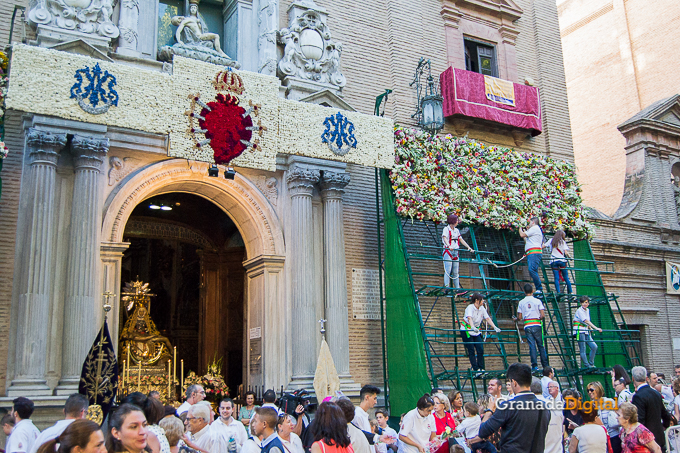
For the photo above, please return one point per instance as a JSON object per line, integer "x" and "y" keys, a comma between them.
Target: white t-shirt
{"x": 235, "y": 429}
{"x": 626, "y": 396}
{"x": 557, "y": 253}
{"x": 294, "y": 445}
{"x": 450, "y": 237}
{"x": 382, "y": 446}
{"x": 534, "y": 238}
{"x": 184, "y": 407}
{"x": 477, "y": 315}
{"x": 252, "y": 445}
{"x": 23, "y": 437}
{"x": 419, "y": 428}
{"x": 361, "y": 419}
{"x": 358, "y": 438}
{"x": 469, "y": 427}
{"x": 50, "y": 433}
{"x": 581, "y": 315}
{"x": 545, "y": 380}
{"x": 591, "y": 438}
{"x": 530, "y": 308}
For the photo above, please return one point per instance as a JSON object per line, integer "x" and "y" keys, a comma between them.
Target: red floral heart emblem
{"x": 226, "y": 125}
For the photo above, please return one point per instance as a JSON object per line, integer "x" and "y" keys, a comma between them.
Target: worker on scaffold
{"x": 475, "y": 313}
{"x": 451, "y": 239}
{"x": 582, "y": 328}
{"x": 533, "y": 250}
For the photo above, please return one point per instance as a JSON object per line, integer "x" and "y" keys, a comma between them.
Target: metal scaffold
{"x": 420, "y": 313}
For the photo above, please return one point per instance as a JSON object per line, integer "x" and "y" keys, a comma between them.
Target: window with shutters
{"x": 480, "y": 58}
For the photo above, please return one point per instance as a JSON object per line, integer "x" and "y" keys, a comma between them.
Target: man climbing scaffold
{"x": 582, "y": 328}
{"x": 532, "y": 312}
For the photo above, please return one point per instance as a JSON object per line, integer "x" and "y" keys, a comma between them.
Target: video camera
{"x": 290, "y": 401}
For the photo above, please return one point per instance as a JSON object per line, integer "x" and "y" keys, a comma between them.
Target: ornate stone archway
{"x": 262, "y": 234}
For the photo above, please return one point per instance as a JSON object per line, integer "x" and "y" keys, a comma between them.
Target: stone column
{"x": 111, "y": 259}
{"x": 301, "y": 186}
{"x": 127, "y": 24}
{"x": 335, "y": 275}
{"x": 82, "y": 307}
{"x": 36, "y": 284}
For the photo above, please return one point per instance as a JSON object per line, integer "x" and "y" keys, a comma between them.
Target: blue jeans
{"x": 534, "y": 262}
{"x": 584, "y": 338}
{"x": 535, "y": 338}
{"x": 560, "y": 267}
{"x": 484, "y": 445}
{"x": 475, "y": 349}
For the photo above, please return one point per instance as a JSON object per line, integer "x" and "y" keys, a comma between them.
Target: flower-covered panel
{"x": 488, "y": 185}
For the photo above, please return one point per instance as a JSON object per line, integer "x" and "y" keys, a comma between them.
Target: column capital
{"x": 44, "y": 147}
{"x": 301, "y": 180}
{"x": 333, "y": 184}
{"x": 89, "y": 152}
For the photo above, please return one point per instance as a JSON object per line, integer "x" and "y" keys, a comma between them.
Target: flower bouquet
{"x": 212, "y": 382}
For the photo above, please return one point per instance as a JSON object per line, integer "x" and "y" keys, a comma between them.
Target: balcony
{"x": 470, "y": 98}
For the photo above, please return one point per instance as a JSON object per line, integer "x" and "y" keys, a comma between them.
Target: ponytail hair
{"x": 77, "y": 434}
{"x": 558, "y": 239}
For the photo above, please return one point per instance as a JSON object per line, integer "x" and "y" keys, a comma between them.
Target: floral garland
{"x": 491, "y": 186}
{"x": 212, "y": 382}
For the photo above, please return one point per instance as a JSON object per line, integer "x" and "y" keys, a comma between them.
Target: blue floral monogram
{"x": 339, "y": 134}
{"x": 98, "y": 95}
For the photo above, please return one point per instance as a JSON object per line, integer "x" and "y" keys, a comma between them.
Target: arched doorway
{"x": 191, "y": 254}
{"x": 266, "y": 312}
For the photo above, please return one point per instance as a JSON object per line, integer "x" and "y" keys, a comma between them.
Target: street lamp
{"x": 429, "y": 107}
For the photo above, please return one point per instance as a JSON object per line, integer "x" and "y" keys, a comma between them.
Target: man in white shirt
{"x": 230, "y": 427}
{"x": 194, "y": 394}
{"x": 24, "y": 432}
{"x": 369, "y": 398}
{"x": 582, "y": 326}
{"x": 202, "y": 437}
{"x": 475, "y": 313}
{"x": 381, "y": 417}
{"x": 531, "y": 312}
{"x": 553, "y": 438}
{"x": 74, "y": 409}
{"x": 548, "y": 377}
{"x": 495, "y": 389}
{"x": 533, "y": 249}
{"x": 451, "y": 240}
{"x": 357, "y": 437}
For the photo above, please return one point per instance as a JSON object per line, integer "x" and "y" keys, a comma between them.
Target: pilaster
{"x": 128, "y": 25}
{"x": 301, "y": 183}
{"x": 111, "y": 259}
{"x": 43, "y": 150}
{"x": 82, "y": 307}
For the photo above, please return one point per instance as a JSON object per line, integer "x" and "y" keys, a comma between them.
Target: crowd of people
{"x": 534, "y": 416}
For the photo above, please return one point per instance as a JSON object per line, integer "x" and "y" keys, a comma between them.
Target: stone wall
{"x": 615, "y": 66}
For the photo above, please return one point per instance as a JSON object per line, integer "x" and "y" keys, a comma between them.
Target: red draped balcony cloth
{"x": 464, "y": 93}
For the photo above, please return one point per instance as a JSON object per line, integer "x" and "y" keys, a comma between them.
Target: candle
{"x": 139, "y": 375}
{"x": 169, "y": 398}
{"x": 182, "y": 372}
{"x": 127, "y": 378}
{"x": 122, "y": 380}
{"x": 174, "y": 366}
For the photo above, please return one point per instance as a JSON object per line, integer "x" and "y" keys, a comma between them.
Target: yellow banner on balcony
{"x": 498, "y": 90}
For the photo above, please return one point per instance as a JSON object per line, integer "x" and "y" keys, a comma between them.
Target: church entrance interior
{"x": 191, "y": 254}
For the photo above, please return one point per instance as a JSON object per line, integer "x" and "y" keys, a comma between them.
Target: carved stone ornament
{"x": 85, "y": 16}
{"x": 194, "y": 40}
{"x": 309, "y": 52}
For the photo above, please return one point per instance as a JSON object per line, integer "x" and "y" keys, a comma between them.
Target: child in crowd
{"x": 469, "y": 428}
{"x": 7, "y": 424}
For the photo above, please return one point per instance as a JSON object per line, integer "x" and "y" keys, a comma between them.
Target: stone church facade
{"x": 304, "y": 246}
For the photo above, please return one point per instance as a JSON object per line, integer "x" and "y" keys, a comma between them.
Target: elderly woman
{"x": 442, "y": 417}
{"x": 635, "y": 438}
{"x": 589, "y": 437}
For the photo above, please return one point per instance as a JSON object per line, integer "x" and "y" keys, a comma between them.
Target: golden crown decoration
{"x": 228, "y": 80}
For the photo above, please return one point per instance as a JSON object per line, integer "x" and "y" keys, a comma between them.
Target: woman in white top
{"x": 589, "y": 437}
{"x": 475, "y": 313}
{"x": 418, "y": 427}
{"x": 291, "y": 441}
{"x": 558, "y": 258}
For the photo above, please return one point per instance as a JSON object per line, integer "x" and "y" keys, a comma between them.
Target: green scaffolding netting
{"x": 407, "y": 366}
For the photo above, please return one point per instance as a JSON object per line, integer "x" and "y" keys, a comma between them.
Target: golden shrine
{"x": 150, "y": 359}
